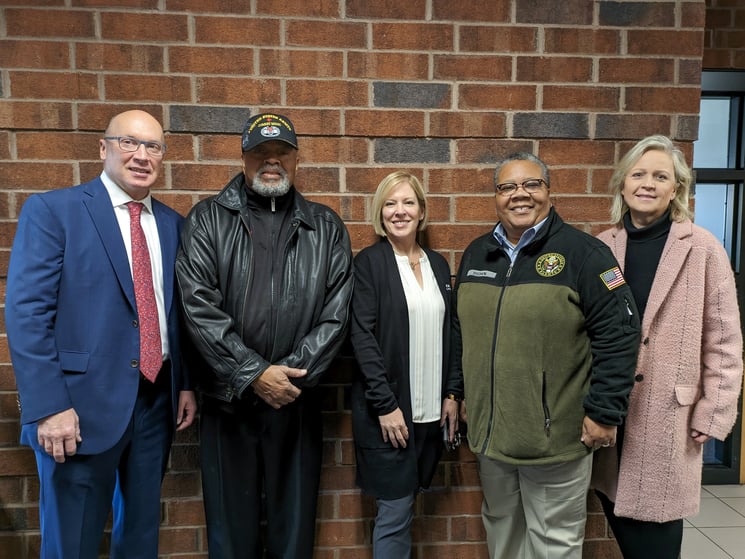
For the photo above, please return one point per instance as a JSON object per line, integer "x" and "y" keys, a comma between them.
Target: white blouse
{"x": 426, "y": 314}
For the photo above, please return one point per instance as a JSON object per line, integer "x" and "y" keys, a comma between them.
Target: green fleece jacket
{"x": 542, "y": 343}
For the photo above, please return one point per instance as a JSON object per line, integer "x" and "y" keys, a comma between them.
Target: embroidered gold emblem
{"x": 550, "y": 264}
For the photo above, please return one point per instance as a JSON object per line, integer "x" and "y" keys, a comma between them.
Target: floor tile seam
{"x": 704, "y": 534}
{"x": 692, "y": 519}
{"x": 723, "y": 499}
{"x": 737, "y": 512}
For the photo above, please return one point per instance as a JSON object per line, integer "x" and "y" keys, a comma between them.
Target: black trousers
{"x": 638, "y": 539}
{"x": 248, "y": 449}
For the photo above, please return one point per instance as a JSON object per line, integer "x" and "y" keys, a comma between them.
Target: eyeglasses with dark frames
{"x": 531, "y": 186}
{"x": 128, "y": 143}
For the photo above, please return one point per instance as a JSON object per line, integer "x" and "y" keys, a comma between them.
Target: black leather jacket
{"x": 213, "y": 267}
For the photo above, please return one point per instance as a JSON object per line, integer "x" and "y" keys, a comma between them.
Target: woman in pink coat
{"x": 689, "y": 369}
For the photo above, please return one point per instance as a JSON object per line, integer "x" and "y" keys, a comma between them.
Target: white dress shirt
{"x": 119, "y": 200}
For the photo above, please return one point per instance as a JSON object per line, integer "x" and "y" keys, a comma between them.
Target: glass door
{"x": 718, "y": 162}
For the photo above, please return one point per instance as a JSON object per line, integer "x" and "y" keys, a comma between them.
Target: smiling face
{"x": 133, "y": 171}
{"x": 520, "y": 211}
{"x": 649, "y": 187}
{"x": 401, "y": 212}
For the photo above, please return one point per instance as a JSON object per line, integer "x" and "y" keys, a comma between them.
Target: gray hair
{"x": 522, "y": 156}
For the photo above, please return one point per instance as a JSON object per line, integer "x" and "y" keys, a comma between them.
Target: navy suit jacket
{"x": 71, "y": 315}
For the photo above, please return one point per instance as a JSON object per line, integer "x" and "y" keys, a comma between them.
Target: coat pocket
{"x": 687, "y": 394}
{"x": 74, "y": 362}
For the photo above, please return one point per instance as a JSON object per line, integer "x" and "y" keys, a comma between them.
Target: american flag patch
{"x": 612, "y": 278}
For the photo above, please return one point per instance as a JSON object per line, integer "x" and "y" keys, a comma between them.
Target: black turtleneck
{"x": 269, "y": 220}
{"x": 643, "y": 251}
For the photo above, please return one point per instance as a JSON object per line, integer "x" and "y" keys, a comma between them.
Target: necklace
{"x": 414, "y": 264}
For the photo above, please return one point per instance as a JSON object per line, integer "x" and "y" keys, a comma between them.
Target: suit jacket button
{"x": 134, "y": 363}
{"x": 639, "y": 378}
{"x": 134, "y": 323}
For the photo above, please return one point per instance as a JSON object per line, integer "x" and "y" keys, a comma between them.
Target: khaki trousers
{"x": 535, "y": 512}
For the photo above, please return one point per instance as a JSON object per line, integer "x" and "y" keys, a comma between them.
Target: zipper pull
{"x": 274, "y": 209}
{"x": 547, "y": 426}
{"x": 628, "y": 306}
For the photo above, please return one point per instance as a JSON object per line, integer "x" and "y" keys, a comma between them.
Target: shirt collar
{"x": 528, "y": 235}
{"x": 121, "y": 198}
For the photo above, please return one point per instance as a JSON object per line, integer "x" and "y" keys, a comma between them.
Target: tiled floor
{"x": 718, "y": 530}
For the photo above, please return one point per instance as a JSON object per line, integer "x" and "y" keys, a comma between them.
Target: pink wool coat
{"x": 688, "y": 376}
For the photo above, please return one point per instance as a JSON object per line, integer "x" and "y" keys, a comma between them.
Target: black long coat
{"x": 380, "y": 338}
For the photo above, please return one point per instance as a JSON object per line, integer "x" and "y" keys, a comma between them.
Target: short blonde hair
{"x": 683, "y": 178}
{"x": 383, "y": 191}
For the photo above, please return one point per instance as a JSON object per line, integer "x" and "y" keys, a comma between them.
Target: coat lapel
{"x": 101, "y": 211}
{"x": 618, "y": 248}
{"x": 671, "y": 263}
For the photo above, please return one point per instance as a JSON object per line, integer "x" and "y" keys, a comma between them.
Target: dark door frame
{"x": 730, "y": 83}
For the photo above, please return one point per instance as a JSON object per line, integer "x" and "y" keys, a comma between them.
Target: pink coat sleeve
{"x": 721, "y": 349}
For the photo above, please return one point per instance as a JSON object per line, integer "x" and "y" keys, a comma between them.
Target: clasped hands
{"x": 274, "y": 386}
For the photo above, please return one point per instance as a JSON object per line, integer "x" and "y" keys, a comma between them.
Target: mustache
{"x": 273, "y": 169}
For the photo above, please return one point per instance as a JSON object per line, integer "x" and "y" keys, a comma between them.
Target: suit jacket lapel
{"x": 168, "y": 235}
{"x": 101, "y": 211}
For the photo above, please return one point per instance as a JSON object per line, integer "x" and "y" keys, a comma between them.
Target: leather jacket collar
{"x": 234, "y": 197}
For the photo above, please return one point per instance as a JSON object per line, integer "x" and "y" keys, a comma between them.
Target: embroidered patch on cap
{"x": 270, "y": 131}
{"x": 267, "y": 126}
{"x": 550, "y": 264}
{"x": 612, "y": 278}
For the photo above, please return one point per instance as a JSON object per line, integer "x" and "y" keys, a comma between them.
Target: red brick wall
{"x": 724, "y": 36}
{"x": 440, "y": 87}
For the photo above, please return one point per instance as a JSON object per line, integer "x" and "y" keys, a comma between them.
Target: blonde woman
{"x": 404, "y": 392}
{"x": 689, "y": 368}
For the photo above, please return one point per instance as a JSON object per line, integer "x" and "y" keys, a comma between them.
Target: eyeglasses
{"x": 531, "y": 186}
{"x": 128, "y": 143}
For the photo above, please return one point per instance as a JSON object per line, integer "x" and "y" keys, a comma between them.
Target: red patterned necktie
{"x": 151, "y": 353}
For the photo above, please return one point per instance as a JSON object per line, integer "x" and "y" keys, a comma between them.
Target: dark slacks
{"x": 75, "y": 497}
{"x": 638, "y": 539}
{"x": 247, "y": 448}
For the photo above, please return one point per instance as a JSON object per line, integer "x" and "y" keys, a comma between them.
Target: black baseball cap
{"x": 265, "y": 127}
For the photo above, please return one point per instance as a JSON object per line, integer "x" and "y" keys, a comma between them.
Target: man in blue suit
{"x": 100, "y": 421}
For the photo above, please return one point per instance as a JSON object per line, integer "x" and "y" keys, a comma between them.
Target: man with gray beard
{"x": 265, "y": 279}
